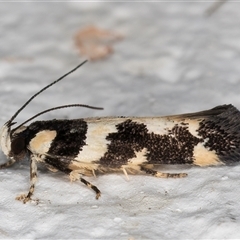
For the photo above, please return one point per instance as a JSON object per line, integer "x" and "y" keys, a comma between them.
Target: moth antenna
{"x": 42, "y": 90}
{"x": 53, "y": 109}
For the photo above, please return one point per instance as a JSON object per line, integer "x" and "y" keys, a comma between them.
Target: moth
{"x": 133, "y": 145}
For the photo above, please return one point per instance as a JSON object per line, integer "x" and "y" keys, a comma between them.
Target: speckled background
{"x": 172, "y": 59}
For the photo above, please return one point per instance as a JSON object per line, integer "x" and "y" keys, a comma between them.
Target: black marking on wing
{"x": 223, "y": 133}
{"x": 130, "y": 137}
{"x": 176, "y": 147}
{"x": 70, "y": 138}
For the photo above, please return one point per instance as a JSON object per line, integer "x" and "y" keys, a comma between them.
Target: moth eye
{"x": 18, "y": 145}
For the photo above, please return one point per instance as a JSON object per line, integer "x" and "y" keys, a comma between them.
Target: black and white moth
{"x": 134, "y": 145}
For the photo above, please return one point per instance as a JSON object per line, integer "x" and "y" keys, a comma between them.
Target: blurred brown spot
{"x": 17, "y": 59}
{"x": 95, "y": 43}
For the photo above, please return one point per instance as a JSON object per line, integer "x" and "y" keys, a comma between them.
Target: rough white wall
{"x": 172, "y": 59}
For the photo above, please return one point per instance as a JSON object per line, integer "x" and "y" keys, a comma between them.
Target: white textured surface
{"x": 173, "y": 59}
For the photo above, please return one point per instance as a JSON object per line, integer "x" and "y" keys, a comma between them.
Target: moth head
{"x": 13, "y": 143}
{"x": 5, "y": 139}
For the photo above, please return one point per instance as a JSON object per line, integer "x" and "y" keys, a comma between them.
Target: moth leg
{"x": 76, "y": 175}
{"x": 8, "y": 164}
{"x": 94, "y": 188}
{"x": 125, "y": 173}
{"x": 94, "y": 174}
{"x": 161, "y": 174}
{"x": 51, "y": 168}
{"x": 33, "y": 178}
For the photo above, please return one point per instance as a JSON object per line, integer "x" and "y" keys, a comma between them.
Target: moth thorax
{"x": 18, "y": 145}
